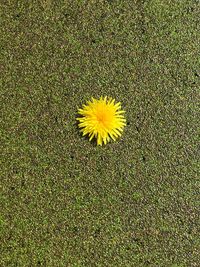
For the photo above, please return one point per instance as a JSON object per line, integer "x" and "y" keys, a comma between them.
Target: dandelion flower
{"x": 103, "y": 119}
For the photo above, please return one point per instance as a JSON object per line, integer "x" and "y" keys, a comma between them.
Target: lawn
{"x": 64, "y": 201}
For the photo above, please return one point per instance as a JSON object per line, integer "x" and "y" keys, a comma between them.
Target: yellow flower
{"x": 103, "y": 119}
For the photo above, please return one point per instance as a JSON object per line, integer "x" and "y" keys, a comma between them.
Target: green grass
{"x": 66, "y": 202}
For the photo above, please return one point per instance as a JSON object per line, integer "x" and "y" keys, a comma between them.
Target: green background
{"x": 66, "y": 202}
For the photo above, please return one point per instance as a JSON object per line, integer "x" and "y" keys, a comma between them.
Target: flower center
{"x": 104, "y": 118}
{"x": 101, "y": 117}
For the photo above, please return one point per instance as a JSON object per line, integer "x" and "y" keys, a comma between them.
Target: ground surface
{"x": 66, "y": 202}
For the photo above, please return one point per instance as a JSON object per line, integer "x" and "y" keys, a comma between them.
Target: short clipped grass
{"x": 66, "y": 202}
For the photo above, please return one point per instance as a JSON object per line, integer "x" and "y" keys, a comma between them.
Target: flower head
{"x": 103, "y": 119}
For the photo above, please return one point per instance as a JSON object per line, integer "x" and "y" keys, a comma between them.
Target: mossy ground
{"x": 66, "y": 202}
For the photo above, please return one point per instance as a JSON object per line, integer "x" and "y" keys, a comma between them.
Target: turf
{"x": 65, "y": 201}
